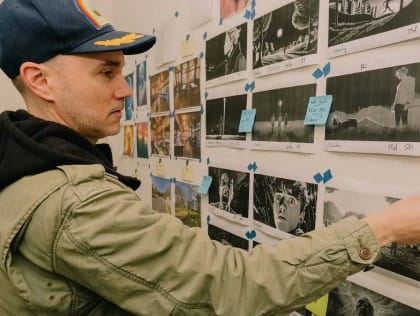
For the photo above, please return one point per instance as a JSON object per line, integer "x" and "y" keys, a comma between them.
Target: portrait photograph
{"x": 229, "y": 191}
{"x": 223, "y": 116}
{"x": 231, "y": 7}
{"x": 159, "y": 92}
{"x": 354, "y": 20}
{"x": 187, "y": 84}
{"x": 227, "y": 238}
{"x": 161, "y": 195}
{"x": 351, "y": 299}
{"x": 142, "y": 134}
{"x": 141, "y": 83}
{"x": 284, "y": 204}
{"x": 226, "y": 53}
{"x": 128, "y": 140}
{"x": 187, "y": 135}
{"x": 280, "y": 114}
{"x": 188, "y": 204}
{"x": 160, "y": 135}
{"x": 286, "y": 33}
{"x": 381, "y": 105}
{"x": 338, "y": 204}
{"x": 128, "y": 101}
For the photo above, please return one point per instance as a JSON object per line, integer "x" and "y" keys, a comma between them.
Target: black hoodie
{"x": 29, "y": 145}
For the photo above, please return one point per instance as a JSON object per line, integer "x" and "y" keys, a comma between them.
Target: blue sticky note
{"x": 327, "y": 176}
{"x": 327, "y": 69}
{"x": 205, "y": 185}
{"x": 318, "y": 73}
{"x": 318, "y": 110}
{"x": 318, "y": 177}
{"x": 251, "y": 234}
{"x": 247, "y": 120}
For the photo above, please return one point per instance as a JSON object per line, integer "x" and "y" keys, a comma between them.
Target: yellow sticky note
{"x": 319, "y": 307}
{"x": 160, "y": 168}
{"x": 188, "y": 173}
{"x": 187, "y": 47}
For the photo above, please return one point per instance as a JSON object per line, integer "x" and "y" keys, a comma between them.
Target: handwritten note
{"x": 187, "y": 47}
{"x": 318, "y": 110}
{"x": 319, "y": 307}
{"x": 247, "y": 120}
{"x": 160, "y": 168}
{"x": 205, "y": 185}
{"x": 188, "y": 173}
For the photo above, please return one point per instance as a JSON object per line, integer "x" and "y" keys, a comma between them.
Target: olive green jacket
{"x": 75, "y": 241}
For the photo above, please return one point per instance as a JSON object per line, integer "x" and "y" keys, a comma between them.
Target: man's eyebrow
{"x": 111, "y": 63}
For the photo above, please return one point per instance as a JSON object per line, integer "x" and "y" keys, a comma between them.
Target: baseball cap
{"x": 37, "y": 30}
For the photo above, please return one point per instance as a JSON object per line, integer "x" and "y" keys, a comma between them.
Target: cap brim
{"x": 128, "y": 43}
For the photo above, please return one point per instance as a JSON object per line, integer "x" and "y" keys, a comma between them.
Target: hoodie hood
{"x": 29, "y": 145}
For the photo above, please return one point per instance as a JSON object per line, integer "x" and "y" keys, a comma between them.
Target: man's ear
{"x": 35, "y": 77}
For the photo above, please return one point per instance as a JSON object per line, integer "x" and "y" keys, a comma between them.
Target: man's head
{"x": 287, "y": 211}
{"x": 67, "y": 62}
{"x": 401, "y": 72}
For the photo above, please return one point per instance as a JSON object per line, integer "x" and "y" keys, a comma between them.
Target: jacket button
{"x": 364, "y": 253}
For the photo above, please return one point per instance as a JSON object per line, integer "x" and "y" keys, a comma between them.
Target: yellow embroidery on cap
{"x": 126, "y": 39}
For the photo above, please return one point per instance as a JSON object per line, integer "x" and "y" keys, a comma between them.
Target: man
{"x": 74, "y": 237}
{"x": 404, "y": 96}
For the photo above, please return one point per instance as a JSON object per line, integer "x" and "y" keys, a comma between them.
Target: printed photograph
{"x": 141, "y": 83}
{"x": 226, "y": 53}
{"x": 187, "y": 84}
{"x": 280, "y": 115}
{"x": 187, "y": 204}
{"x": 376, "y": 105}
{"x": 227, "y": 238}
{"x": 142, "y": 139}
{"x": 351, "y": 299}
{"x": 229, "y": 191}
{"x": 159, "y": 92}
{"x": 128, "y": 140}
{"x": 231, "y": 7}
{"x": 187, "y": 135}
{"x": 223, "y": 116}
{"x": 286, "y": 33}
{"x": 160, "y": 135}
{"x": 161, "y": 195}
{"x": 128, "y": 101}
{"x": 287, "y": 205}
{"x": 339, "y": 204}
{"x": 350, "y": 20}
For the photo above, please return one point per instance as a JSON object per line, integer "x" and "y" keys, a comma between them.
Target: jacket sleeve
{"x": 149, "y": 263}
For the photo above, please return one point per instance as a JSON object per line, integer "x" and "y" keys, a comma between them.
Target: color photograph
{"x": 160, "y": 135}
{"x": 159, "y": 92}
{"x": 187, "y": 135}
{"x": 188, "y": 204}
{"x": 141, "y": 83}
{"x": 128, "y": 140}
{"x": 187, "y": 85}
{"x": 161, "y": 195}
{"x": 128, "y": 101}
{"x": 142, "y": 129}
{"x": 231, "y": 7}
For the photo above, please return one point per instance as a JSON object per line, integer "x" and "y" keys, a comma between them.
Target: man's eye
{"x": 107, "y": 73}
{"x": 292, "y": 201}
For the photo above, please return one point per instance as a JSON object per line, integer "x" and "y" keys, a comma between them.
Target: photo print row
{"x": 287, "y": 37}
{"x": 187, "y": 202}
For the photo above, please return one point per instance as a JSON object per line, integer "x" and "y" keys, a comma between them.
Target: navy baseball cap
{"x": 37, "y": 30}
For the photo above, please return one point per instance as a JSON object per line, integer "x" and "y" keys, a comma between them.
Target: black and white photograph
{"x": 381, "y": 105}
{"x": 187, "y": 84}
{"x": 226, "y": 53}
{"x": 141, "y": 83}
{"x": 223, "y": 116}
{"x": 227, "y": 238}
{"x": 187, "y": 135}
{"x": 287, "y": 33}
{"x": 280, "y": 114}
{"x": 128, "y": 101}
{"x": 161, "y": 194}
{"x": 160, "y": 135}
{"x": 285, "y": 204}
{"x": 339, "y": 204}
{"x": 159, "y": 92}
{"x": 229, "y": 191}
{"x": 351, "y": 299}
{"x": 350, "y": 21}
{"x": 188, "y": 204}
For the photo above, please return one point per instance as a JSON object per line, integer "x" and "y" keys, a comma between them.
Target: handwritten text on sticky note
{"x": 318, "y": 110}
{"x": 247, "y": 120}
